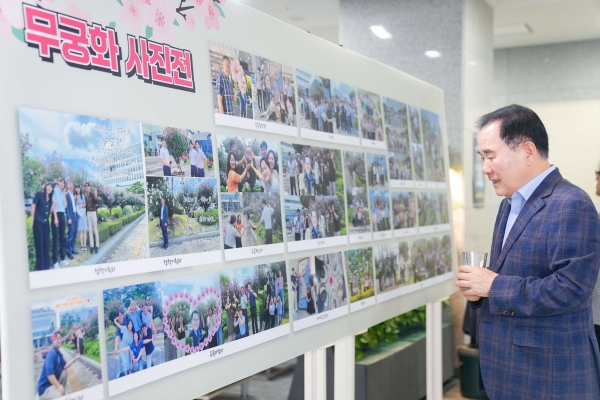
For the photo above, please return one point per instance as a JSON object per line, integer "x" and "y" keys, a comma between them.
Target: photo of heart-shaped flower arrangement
{"x": 177, "y": 315}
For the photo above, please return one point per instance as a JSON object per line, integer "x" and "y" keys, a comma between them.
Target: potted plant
{"x": 177, "y": 143}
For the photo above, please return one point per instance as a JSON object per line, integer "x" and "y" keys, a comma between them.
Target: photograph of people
{"x": 343, "y": 109}
{"x": 66, "y": 351}
{"x": 80, "y": 173}
{"x": 370, "y": 115}
{"x": 273, "y": 94}
{"x": 319, "y": 170}
{"x": 433, "y": 147}
{"x": 380, "y": 210}
{"x": 391, "y": 264}
{"x": 416, "y": 143}
{"x": 322, "y": 285}
{"x": 359, "y": 270}
{"x": 397, "y": 135}
{"x": 250, "y": 296}
{"x": 177, "y": 152}
{"x": 231, "y": 75}
{"x": 404, "y": 210}
{"x": 377, "y": 172}
{"x": 433, "y": 209}
{"x": 314, "y": 96}
{"x": 183, "y": 215}
{"x": 431, "y": 257}
{"x": 359, "y": 215}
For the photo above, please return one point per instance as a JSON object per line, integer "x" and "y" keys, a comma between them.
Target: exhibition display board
{"x": 185, "y": 204}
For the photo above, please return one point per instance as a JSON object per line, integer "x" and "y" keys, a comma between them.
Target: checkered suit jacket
{"x": 536, "y": 333}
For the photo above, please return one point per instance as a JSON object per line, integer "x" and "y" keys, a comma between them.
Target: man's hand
{"x": 61, "y": 389}
{"x": 473, "y": 282}
{"x": 69, "y": 221}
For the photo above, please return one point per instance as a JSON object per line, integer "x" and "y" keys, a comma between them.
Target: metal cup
{"x": 474, "y": 259}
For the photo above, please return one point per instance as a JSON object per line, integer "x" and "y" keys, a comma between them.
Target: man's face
{"x": 263, "y": 151}
{"x": 131, "y": 307}
{"x": 61, "y": 184}
{"x": 196, "y": 145}
{"x": 70, "y": 187}
{"x": 87, "y": 188}
{"x": 506, "y": 168}
{"x": 120, "y": 318}
{"x": 597, "y": 184}
{"x": 162, "y": 201}
{"x": 145, "y": 308}
{"x": 57, "y": 341}
{"x": 164, "y": 143}
{"x": 226, "y": 67}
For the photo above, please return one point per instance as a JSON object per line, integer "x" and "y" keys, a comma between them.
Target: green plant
{"x": 103, "y": 214}
{"x": 209, "y": 217}
{"x": 177, "y": 144}
{"x": 30, "y": 244}
{"x": 128, "y": 210}
{"x": 116, "y": 212}
{"x": 179, "y": 211}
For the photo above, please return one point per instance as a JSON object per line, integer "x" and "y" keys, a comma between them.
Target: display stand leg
{"x": 315, "y": 374}
{"x": 343, "y": 383}
{"x": 434, "y": 350}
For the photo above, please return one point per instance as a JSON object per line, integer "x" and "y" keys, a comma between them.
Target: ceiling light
{"x": 433, "y": 54}
{"x": 515, "y": 29}
{"x": 380, "y": 32}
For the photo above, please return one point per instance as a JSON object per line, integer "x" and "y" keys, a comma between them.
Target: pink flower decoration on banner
{"x": 194, "y": 303}
{"x": 171, "y": 297}
{"x": 200, "y": 346}
{"x": 187, "y": 348}
{"x": 170, "y": 335}
{"x": 165, "y": 321}
{"x": 77, "y": 13}
{"x": 190, "y": 21}
{"x": 173, "y": 341}
{"x": 219, "y": 320}
{"x": 237, "y": 72}
{"x": 211, "y": 18}
{"x": 131, "y": 13}
{"x": 206, "y": 341}
{"x": 164, "y": 313}
{"x": 219, "y": 303}
{"x": 201, "y": 7}
{"x": 160, "y": 16}
{"x": 176, "y": 296}
{"x": 331, "y": 280}
{"x": 199, "y": 297}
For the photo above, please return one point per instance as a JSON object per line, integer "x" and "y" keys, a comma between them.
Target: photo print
{"x": 177, "y": 152}
{"x": 252, "y": 92}
{"x": 317, "y": 216}
{"x": 433, "y": 212}
{"x": 357, "y": 197}
{"x": 327, "y": 109}
{"x": 254, "y": 300}
{"x": 361, "y": 280}
{"x": 250, "y": 186}
{"x": 83, "y": 181}
{"x": 183, "y": 217}
{"x": 379, "y": 196}
{"x": 416, "y": 146}
{"x": 435, "y": 170}
{"x": 321, "y": 289}
{"x": 392, "y": 269}
{"x": 404, "y": 213}
{"x": 431, "y": 258}
{"x": 66, "y": 348}
{"x": 398, "y": 142}
{"x": 370, "y": 119}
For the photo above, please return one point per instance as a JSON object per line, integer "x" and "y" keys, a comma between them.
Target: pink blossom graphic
{"x": 201, "y": 7}
{"x": 211, "y": 19}
{"x": 176, "y": 295}
{"x": 77, "y": 13}
{"x": 207, "y": 340}
{"x": 5, "y": 30}
{"x": 131, "y": 13}
{"x": 164, "y": 313}
{"x": 173, "y": 341}
{"x": 171, "y": 297}
{"x": 237, "y": 72}
{"x": 165, "y": 321}
{"x": 160, "y": 16}
{"x": 331, "y": 280}
{"x": 201, "y": 346}
{"x": 190, "y": 21}
{"x": 199, "y": 297}
{"x": 170, "y": 335}
{"x": 187, "y": 348}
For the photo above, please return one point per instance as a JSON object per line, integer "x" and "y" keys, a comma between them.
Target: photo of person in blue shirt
{"x": 53, "y": 379}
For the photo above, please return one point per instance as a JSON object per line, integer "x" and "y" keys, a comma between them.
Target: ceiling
{"x": 550, "y": 21}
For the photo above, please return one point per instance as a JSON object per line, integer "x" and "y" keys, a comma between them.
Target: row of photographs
{"x": 155, "y": 329}
{"x": 106, "y": 194}
{"x": 256, "y": 93}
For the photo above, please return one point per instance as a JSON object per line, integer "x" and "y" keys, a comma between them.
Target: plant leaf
{"x": 19, "y": 34}
{"x": 112, "y": 25}
{"x": 120, "y": 2}
{"x": 176, "y": 23}
{"x": 149, "y": 32}
{"x": 220, "y": 9}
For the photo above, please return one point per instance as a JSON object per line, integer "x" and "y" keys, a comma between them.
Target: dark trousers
{"x": 293, "y": 185}
{"x": 259, "y": 95}
{"x": 254, "y": 319}
{"x": 165, "y": 234}
{"x": 166, "y": 171}
{"x": 200, "y": 173}
{"x": 597, "y": 331}
{"x": 41, "y": 240}
{"x": 194, "y": 171}
{"x": 245, "y": 313}
{"x": 268, "y": 236}
{"x": 298, "y": 236}
{"x": 72, "y": 234}
{"x": 58, "y": 237}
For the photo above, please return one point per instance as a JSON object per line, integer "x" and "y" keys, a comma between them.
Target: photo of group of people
{"x": 83, "y": 182}
{"x": 433, "y": 209}
{"x": 327, "y": 106}
{"x": 250, "y": 185}
{"x": 433, "y": 146}
{"x": 183, "y": 215}
{"x": 318, "y": 210}
{"x": 251, "y": 87}
{"x": 319, "y": 284}
{"x": 430, "y": 257}
{"x": 177, "y": 152}
{"x": 380, "y": 210}
{"x": 254, "y": 299}
{"x": 357, "y": 197}
{"x": 359, "y": 270}
{"x": 392, "y": 266}
{"x": 66, "y": 350}
{"x": 416, "y": 143}
{"x": 404, "y": 211}
{"x": 370, "y": 115}
{"x": 399, "y": 146}
{"x": 157, "y": 322}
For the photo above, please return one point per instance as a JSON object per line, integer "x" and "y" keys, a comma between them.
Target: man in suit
{"x": 164, "y": 222}
{"x": 536, "y": 334}
{"x": 72, "y": 221}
